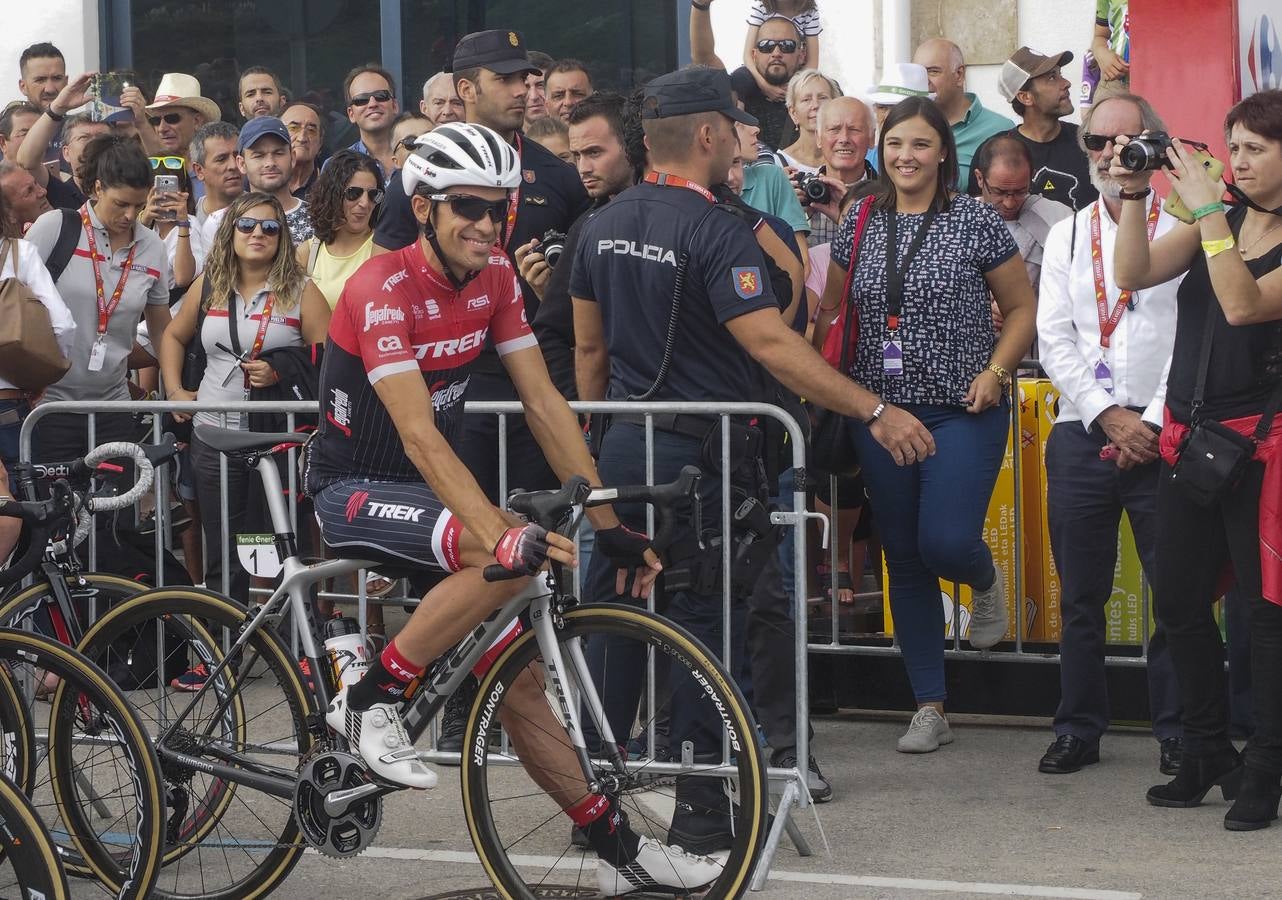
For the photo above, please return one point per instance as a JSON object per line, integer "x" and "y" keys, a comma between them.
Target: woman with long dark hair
{"x": 252, "y": 300}
{"x": 925, "y": 265}
{"x": 1225, "y": 381}
{"x": 343, "y": 202}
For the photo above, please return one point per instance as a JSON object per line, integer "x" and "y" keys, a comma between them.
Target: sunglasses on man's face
{"x": 474, "y": 209}
{"x": 1097, "y": 142}
{"x": 247, "y": 224}
{"x": 408, "y": 142}
{"x": 787, "y": 45}
{"x": 172, "y": 118}
{"x": 173, "y": 163}
{"x": 380, "y": 96}
{"x": 353, "y": 193}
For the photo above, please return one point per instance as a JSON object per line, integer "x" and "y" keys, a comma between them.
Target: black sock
{"x": 378, "y": 686}
{"x": 607, "y": 829}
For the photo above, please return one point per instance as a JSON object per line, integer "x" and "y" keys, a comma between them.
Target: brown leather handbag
{"x": 30, "y": 358}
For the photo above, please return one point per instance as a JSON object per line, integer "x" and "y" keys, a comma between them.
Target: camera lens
{"x": 552, "y": 253}
{"x": 1136, "y": 155}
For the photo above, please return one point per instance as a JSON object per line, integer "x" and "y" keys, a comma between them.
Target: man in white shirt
{"x": 1109, "y": 360}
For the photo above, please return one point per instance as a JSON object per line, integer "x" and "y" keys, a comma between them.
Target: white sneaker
{"x": 988, "y": 616}
{"x": 379, "y": 737}
{"x": 926, "y": 732}
{"x": 657, "y": 866}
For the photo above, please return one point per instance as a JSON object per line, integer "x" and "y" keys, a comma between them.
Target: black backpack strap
{"x": 65, "y": 248}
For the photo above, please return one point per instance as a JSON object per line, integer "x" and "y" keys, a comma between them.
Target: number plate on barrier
{"x": 258, "y": 555}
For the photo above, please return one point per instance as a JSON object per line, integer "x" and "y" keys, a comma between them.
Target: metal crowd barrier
{"x": 791, "y": 783}
{"x": 1016, "y": 654}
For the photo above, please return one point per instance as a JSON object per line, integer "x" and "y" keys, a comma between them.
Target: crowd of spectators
{"x": 963, "y": 240}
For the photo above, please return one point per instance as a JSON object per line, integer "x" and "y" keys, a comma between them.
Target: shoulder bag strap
{"x": 313, "y": 252}
{"x": 865, "y": 211}
{"x": 233, "y": 327}
{"x": 1204, "y": 357}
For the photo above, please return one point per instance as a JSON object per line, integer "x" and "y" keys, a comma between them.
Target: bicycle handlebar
{"x": 44, "y": 516}
{"x": 551, "y": 509}
{"x": 144, "y": 475}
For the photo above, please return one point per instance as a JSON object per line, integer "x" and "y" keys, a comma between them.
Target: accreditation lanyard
{"x": 1108, "y": 321}
{"x": 665, "y": 180}
{"x": 513, "y": 206}
{"x": 263, "y": 324}
{"x": 892, "y": 349}
{"x": 97, "y": 354}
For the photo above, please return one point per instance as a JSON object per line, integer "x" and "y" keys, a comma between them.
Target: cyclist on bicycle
{"x": 388, "y": 484}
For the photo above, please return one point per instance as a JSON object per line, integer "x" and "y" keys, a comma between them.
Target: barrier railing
{"x": 792, "y": 782}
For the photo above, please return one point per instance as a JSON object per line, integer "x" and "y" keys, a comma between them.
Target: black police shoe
{"x": 1172, "y": 753}
{"x": 1068, "y": 753}
{"x": 820, "y": 788}
{"x": 701, "y": 823}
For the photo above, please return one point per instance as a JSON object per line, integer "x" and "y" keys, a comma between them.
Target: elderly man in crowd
{"x": 846, "y": 128}
{"x": 306, "y": 127}
{"x": 440, "y": 103}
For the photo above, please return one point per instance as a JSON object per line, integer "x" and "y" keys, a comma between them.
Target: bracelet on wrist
{"x": 876, "y": 413}
{"x": 56, "y": 116}
{"x": 1210, "y": 209}
{"x": 1135, "y": 195}
{"x": 1215, "y": 248}
{"x": 1003, "y": 376}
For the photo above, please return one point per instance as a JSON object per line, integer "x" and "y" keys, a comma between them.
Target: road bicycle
{"x": 253, "y": 775}
{"x": 29, "y": 866}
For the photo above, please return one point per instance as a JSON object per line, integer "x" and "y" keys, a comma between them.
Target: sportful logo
{"x": 433, "y": 309}
{"x": 451, "y": 347}
{"x": 381, "y": 315}
{"x": 650, "y": 252}
{"x": 354, "y": 504}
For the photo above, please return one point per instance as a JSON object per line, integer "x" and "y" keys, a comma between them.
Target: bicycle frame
{"x": 446, "y": 675}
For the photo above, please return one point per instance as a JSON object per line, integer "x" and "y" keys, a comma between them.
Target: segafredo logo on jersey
{"x": 451, "y": 347}
{"x": 446, "y": 394}
{"x": 650, "y": 252}
{"x": 393, "y": 280}
{"x": 382, "y": 315}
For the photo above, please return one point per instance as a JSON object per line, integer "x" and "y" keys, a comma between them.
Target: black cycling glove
{"x": 624, "y": 547}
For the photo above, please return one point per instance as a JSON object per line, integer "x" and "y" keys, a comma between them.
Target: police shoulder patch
{"x": 747, "y": 281}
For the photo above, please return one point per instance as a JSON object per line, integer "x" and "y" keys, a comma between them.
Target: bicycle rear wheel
{"x": 226, "y": 839}
{"x": 29, "y": 865}
{"x": 97, "y": 781}
{"x": 522, "y": 836}
{"x": 18, "y": 751}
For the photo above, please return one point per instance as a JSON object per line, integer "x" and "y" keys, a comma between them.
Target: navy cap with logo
{"x": 500, "y": 50}
{"x": 258, "y": 128}
{"x": 689, "y": 91}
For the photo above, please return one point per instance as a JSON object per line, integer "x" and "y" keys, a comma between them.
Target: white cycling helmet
{"x": 459, "y": 154}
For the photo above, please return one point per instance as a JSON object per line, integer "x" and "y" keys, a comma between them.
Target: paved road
{"x": 974, "y": 819}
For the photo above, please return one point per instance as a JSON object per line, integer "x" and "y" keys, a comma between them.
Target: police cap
{"x": 501, "y": 51}
{"x": 689, "y": 91}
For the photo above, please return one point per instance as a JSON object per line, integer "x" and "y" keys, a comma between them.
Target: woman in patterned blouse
{"x": 925, "y": 345}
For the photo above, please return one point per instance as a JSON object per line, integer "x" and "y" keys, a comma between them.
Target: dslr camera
{"x": 1147, "y": 152}
{"x": 552, "y": 245}
{"x": 813, "y": 189}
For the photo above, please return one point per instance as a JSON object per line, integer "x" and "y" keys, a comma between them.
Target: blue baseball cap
{"x": 258, "y": 128}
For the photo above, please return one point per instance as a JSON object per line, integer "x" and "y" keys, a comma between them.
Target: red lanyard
{"x": 663, "y": 178}
{"x": 105, "y": 309}
{"x": 263, "y": 324}
{"x": 1107, "y": 322}
{"x": 513, "y": 206}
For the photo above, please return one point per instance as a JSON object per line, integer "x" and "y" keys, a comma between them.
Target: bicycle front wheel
{"x": 29, "y": 865}
{"x": 719, "y": 795}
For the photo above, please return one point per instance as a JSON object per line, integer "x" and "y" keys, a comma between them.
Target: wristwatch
{"x": 1003, "y": 377}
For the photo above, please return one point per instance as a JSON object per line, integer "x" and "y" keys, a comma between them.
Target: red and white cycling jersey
{"x": 397, "y": 314}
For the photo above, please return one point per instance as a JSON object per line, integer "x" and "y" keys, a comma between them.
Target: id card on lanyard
{"x": 98, "y": 353}
{"x": 892, "y": 348}
{"x": 1108, "y": 321}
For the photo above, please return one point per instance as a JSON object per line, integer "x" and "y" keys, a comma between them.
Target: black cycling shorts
{"x": 396, "y": 522}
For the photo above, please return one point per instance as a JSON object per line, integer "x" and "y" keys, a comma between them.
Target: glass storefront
{"x": 311, "y": 44}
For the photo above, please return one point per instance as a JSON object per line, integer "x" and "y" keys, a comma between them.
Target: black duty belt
{"x": 684, "y": 424}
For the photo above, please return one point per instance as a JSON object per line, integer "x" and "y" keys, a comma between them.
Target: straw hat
{"x": 177, "y": 89}
{"x": 899, "y": 81}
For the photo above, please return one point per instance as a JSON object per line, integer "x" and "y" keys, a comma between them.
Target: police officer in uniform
{"x": 728, "y": 344}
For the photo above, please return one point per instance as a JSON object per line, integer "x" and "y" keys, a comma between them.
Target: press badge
{"x": 97, "y": 354}
{"x": 1104, "y": 376}
{"x": 892, "y": 356}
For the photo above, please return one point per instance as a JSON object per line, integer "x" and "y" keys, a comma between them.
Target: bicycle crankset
{"x": 349, "y": 832}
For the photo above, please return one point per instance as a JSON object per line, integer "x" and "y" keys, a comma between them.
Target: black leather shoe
{"x": 1257, "y": 802}
{"x": 1068, "y": 753}
{"x": 1198, "y": 774}
{"x": 454, "y": 719}
{"x": 701, "y": 822}
{"x": 1172, "y": 752}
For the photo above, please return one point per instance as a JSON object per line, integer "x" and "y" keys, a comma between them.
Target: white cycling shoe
{"x": 379, "y": 737}
{"x": 657, "y": 867}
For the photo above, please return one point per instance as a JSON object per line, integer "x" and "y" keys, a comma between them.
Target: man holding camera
{"x": 846, "y": 128}
{"x": 1108, "y": 352}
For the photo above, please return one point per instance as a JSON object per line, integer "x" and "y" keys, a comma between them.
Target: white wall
{"x": 71, "y": 25}
{"x": 848, "y": 46}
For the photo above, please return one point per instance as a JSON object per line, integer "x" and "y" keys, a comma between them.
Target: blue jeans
{"x": 931, "y": 519}
{"x": 12, "y": 412}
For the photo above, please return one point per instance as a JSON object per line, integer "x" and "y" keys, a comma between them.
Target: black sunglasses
{"x": 172, "y": 118}
{"x": 409, "y": 142}
{"x": 474, "y": 209}
{"x": 787, "y": 45}
{"x": 1098, "y": 142}
{"x": 380, "y": 96}
{"x": 353, "y": 193}
{"x": 247, "y": 224}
